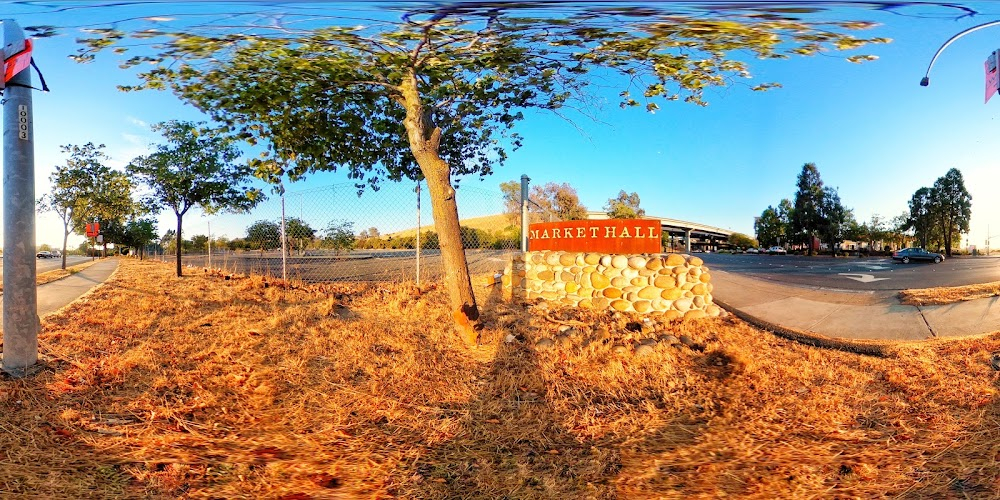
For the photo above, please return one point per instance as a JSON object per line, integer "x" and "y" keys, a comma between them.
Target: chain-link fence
{"x": 332, "y": 234}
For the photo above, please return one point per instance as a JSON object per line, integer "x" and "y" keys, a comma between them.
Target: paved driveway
{"x": 853, "y": 273}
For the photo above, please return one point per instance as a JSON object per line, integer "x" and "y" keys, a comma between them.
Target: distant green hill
{"x": 490, "y": 223}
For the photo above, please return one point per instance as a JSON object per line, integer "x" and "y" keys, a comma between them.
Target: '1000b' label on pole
{"x": 22, "y": 122}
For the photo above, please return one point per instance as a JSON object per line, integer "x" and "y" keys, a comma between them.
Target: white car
{"x": 752, "y": 250}
{"x": 776, "y": 251}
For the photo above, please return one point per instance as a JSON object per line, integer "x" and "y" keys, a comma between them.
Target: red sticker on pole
{"x": 17, "y": 62}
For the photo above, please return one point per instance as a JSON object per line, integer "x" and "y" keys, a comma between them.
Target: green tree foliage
{"x": 952, "y": 207}
{"x": 85, "y": 190}
{"x": 835, "y": 221}
{"x": 138, "y": 234}
{"x": 199, "y": 243}
{"x": 168, "y": 239}
{"x": 298, "y": 235}
{"x": 922, "y": 217}
{"x": 549, "y": 202}
{"x": 512, "y": 201}
{"x": 740, "y": 240}
{"x": 195, "y": 168}
{"x": 438, "y": 92}
{"x": 429, "y": 240}
{"x": 624, "y": 206}
{"x": 339, "y": 235}
{"x": 264, "y": 235}
{"x": 560, "y": 200}
{"x": 807, "y": 215}
{"x": 874, "y": 231}
{"x": 897, "y": 229}
{"x": 771, "y": 227}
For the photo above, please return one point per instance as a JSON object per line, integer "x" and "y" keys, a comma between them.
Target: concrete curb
{"x": 871, "y": 348}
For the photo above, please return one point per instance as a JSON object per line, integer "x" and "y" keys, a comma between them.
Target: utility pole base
{"x": 20, "y": 372}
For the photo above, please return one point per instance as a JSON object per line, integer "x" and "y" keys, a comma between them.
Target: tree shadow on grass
{"x": 511, "y": 444}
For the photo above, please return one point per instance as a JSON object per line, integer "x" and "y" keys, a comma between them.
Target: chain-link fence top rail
{"x": 332, "y": 234}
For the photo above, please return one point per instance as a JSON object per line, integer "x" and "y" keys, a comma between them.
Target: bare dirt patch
{"x": 203, "y": 386}
{"x": 948, "y": 295}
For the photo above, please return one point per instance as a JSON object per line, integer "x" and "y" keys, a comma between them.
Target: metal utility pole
{"x": 524, "y": 212}
{"x": 20, "y": 301}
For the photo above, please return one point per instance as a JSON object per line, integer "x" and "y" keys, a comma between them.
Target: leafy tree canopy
{"x": 741, "y": 240}
{"x": 472, "y": 65}
{"x": 624, "y": 206}
{"x": 264, "y": 235}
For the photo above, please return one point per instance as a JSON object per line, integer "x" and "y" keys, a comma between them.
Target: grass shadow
{"x": 511, "y": 443}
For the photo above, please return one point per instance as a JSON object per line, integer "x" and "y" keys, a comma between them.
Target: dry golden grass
{"x": 58, "y": 274}
{"x": 489, "y": 223}
{"x": 949, "y": 294}
{"x": 201, "y": 387}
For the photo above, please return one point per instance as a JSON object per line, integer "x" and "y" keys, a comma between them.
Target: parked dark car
{"x": 907, "y": 254}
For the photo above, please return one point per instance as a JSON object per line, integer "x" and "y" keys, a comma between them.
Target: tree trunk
{"x": 178, "y": 243}
{"x": 65, "y": 242}
{"x": 424, "y": 138}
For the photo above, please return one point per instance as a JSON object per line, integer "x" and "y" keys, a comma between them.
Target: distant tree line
{"x": 941, "y": 213}
{"x": 551, "y": 202}
{"x": 196, "y": 166}
{"x": 937, "y": 216}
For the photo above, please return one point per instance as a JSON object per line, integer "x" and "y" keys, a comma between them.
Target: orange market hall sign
{"x": 617, "y": 236}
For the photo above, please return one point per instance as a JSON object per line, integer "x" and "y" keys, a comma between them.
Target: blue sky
{"x": 874, "y": 133}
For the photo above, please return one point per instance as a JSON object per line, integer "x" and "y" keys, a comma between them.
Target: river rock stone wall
{"x": 671, "y": 285}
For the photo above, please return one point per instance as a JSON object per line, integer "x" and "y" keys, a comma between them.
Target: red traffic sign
{"x": 17, "y": 62}
{"x": 93, "y": 229}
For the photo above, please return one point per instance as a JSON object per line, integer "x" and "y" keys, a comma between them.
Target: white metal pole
{"x": 209, "y": 244}
{"x": 20, "y": 300}
{"x": 524, "y": 212}
{"x": 418, "y": 233}
{"x": 284, "y": 260}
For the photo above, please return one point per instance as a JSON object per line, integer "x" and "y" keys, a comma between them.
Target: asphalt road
{"x": 43, "y": 265}
{"x": 858, "y": 274}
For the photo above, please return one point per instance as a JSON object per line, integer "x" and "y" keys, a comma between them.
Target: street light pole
{"x": 20, "y": 300}
{"x": 925, "y": 81}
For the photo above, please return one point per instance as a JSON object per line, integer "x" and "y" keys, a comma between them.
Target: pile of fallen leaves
{"x": 225, "y": 386}
{"x": 949, "y": 294}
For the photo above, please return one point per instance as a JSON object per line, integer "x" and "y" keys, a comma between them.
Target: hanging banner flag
{"x": 992, "y": 76}
{"x": 17, "y": 62}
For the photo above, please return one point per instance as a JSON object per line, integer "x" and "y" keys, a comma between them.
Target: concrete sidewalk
{"x": 60, "y": 293}
{"x": 853, "y": 315}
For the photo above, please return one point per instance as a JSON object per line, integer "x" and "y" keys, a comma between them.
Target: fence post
{"x": 210, "y": 244}
{"x": 418, "y": 233}
{"x": 524, "y": 212}
{"x": 284, "y": 263}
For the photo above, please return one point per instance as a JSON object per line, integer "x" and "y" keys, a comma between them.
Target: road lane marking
{"x": 864, "y": 278}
